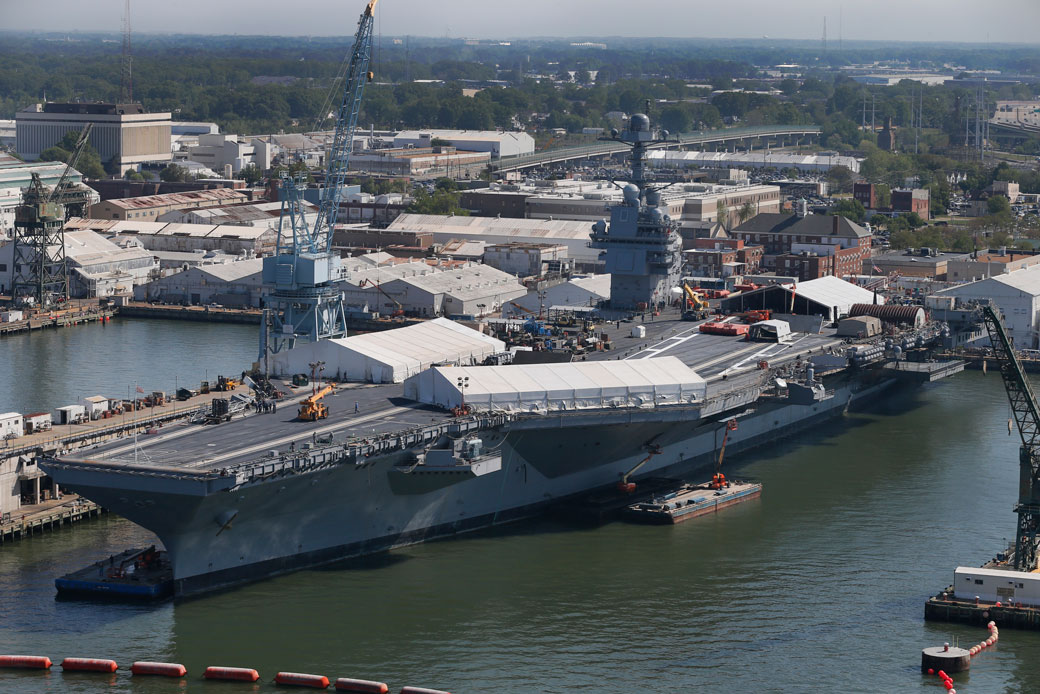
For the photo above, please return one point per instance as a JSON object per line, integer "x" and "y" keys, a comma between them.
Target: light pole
{"x": 463, "y": 384}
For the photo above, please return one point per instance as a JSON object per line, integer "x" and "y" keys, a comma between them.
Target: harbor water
{"x": 45, "y": 369}
{"x": 817, "y": 586}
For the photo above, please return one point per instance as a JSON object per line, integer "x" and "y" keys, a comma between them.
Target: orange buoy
{"x": 143, "y": 667}
{"x": 300, "y": 679}
{"x": 240, "y": 674}
{"x": 35, "y": 662}
{"x": 420, "y": 690}
{"x": 89, "y": 665}
{"x": 347, "y": 684}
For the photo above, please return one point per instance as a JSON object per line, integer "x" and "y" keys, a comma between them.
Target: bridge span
{"x": 749, "y": 137}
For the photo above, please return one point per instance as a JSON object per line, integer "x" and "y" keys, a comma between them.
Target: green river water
{"x": 817, "y": 587}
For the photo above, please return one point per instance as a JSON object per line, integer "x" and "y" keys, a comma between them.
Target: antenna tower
{"x": 126, "y": 81}
{"x": 824, "y": 33}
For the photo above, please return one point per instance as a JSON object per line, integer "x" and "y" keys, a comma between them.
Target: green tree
{"x": 850, "y": 209}
{"x": 439, "y": 202}
{"x": 89, "y": 163}
{"x": 251, "y": 174}
{"x": 746, "y": 212}
{"x": 840, "y": 179}
{"x": 884, "y": 196}
{"x": 174, "y": 173}
{"x": 675, "y": 119}
{"x": 998, "y": 205}
{"x": 583, "y": 77}
{"x": 913, "y": 220}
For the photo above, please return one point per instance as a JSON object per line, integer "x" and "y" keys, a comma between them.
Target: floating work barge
{"x": 690, "y": 501}
{"x": 136, "y": 574}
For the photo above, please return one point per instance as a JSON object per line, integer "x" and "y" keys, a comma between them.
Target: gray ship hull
{"x": 223, "y": 535}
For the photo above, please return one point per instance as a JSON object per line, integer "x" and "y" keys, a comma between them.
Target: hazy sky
{"x": 899, "y": 20}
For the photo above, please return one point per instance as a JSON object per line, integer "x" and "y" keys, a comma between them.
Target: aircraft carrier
{"x": 265, "y": 494}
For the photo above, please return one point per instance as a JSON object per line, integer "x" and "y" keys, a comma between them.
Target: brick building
{"x": 717, "y": 257}
{"x": 809, "y": 265}
{"x": 867, "y": 195}
{"x": 797, "y": 240}
{"x": 912, "y": 200}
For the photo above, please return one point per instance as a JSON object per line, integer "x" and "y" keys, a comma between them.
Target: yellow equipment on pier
{"x": 312, "y": 409}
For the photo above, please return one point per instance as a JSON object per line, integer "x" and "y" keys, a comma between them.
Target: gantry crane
{"x": 1027, "y": 416}
{"x": 41, "y": 271}
{"x": 302, "y": 300}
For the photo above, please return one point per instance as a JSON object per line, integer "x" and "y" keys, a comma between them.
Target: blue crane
{"x": 302, "y": 301}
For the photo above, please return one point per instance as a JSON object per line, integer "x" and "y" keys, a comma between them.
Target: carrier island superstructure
{"x": 454, "y": 449}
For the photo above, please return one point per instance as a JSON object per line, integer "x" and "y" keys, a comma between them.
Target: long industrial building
{"x": 1016, "y": 294}
{"x": 229, "y": 284}
{"x": 186, "y": 238}
{"x": 98, "y": 267}
{"x": 498, "y": 143}
{"x": 572, "y": 234}
{"x": 16, "y": 176}
{"x": 752, "y": 160}
{"x": 419, "y": 289}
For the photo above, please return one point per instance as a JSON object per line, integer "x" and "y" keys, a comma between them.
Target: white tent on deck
{"x": 389, "y": 356}
{"x": 568, "y": 386}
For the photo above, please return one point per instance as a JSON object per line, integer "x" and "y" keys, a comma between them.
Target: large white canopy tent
{"x": 390, "y": 356}
{"x": 568, "y": 386}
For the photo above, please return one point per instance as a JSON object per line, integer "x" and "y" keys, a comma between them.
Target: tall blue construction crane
{"x": 302, "y": 301}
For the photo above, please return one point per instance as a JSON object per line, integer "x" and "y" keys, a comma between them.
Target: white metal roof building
{"x": 97, "y": 267}
{"x": 390, "y": 356}
{"x": 573, "y": 234}
{"x": 499, "y": 143}
{"x": 228, "y": 284}
{"x": 420, "y": 289}
{"x": 16, "y": 177}
{"x": 580, "y": 291}
{"x": 569, "y": 386}
{"x": 752, "y": 160}
{"x": 170, "y": 236}
{"x": 1016, "y": 294}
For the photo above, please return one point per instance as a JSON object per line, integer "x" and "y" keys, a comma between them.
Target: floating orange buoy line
{"x": 994, "y": 634}
{"x": 144, "y": 667}
{"x": 89, "y": 665}
{"x": 33, "y": 662}
{"x": 236, "y": 674}
{"x": 215, "y": 672}
{"x": 299, "y": 679}
{"x": 346, "y": 684}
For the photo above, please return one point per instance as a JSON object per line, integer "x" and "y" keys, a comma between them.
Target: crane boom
{"x": 302, "y": 298}
{"x": 336, "y": 165}
{"x": 59, "y": 188}
{"x": 1027, "y": 417}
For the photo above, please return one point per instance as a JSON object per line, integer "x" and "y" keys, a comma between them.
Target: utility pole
{"x": 126, "y": 82}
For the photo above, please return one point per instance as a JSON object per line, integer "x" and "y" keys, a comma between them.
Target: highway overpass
{"x": 746, "y": 137}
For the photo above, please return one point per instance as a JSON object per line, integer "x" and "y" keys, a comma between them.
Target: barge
{"x": 690, "y": 501}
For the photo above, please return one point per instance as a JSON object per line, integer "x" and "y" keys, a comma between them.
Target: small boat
{"x": 136, "y": 574}
{"x": 692, "y": 500}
